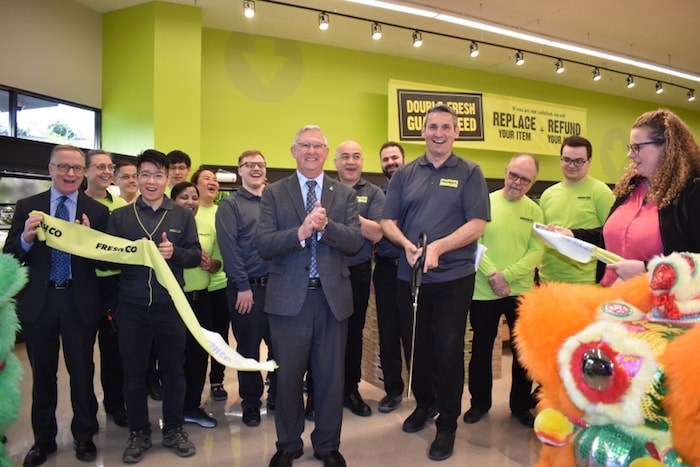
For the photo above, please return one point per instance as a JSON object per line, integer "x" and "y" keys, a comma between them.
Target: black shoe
{"x": 218, "y": 393}
{"x": 474, "y": 414}
{"x": 525, "y": 418}
{"x": 155, "y": 390}
{"x": 309, "y": 411}
{"x": 38, "y": 452}
{"x": 331, "y": 459}
{"x": 251, "y": 416}
{"x": 389, "y": 403}
{"x": 442, "y": 447}
{"x": 118, "y": 417}
{"x": 199, "y": 417}
{"x": 284, "y": 458}
{"x": 354, "y": 402}
{"x": 416, "y": 421}
{"x": 85, "y": 451}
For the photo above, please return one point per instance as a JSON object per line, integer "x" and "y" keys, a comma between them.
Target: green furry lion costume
{"x": 12, "y": 279}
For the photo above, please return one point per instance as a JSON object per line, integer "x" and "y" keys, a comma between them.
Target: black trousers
{"x": 111, "y": 373}
{"x": 61, "y": 321}
{"x": 360, "y": 277}
{"x": 220, "y": 322}
{"x": 438, "y": 359}
{"x": 196, "y": 358}
{"x": 485, "y": 317}
{"x": 250, "y": 330}
{"x": 388, "y": 324}
{"x": 140, "y": 326}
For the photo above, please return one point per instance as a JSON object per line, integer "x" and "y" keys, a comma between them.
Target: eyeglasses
{"x": 65, "y": 168}
{"x": 158, "y": 176}
{"x": 253, "y": 165}
{"x": 103, "y": 167}
{"x": 636, "y": 147}
{"x": 576, "y": 162}
{"x": 306, "y": 146}
{"x": 513, "y": 177}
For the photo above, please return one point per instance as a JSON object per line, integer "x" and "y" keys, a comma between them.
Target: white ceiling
{"x": 663, "y": 33}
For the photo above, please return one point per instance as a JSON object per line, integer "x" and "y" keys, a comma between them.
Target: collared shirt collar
{"x": 303, "y": 179}
{"x": 166, "y": 204}
{"x": 55, "y": 194}
{"x": 247, "y": 194}
{"x": 450, "y": 162}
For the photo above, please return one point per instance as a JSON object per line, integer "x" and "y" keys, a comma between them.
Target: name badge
{"x": 362, "y": 199}
{"x": 449, "y": 182}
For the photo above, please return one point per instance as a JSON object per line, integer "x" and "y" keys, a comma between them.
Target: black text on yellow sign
{"x": 414, "y": 104}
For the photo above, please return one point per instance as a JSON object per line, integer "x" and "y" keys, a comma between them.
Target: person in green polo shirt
{"x": 577, "y": 202}
{"x": 100, "y": 175}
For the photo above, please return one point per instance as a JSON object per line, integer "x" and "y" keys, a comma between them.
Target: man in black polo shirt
{"x": 236, "y": 221}
{"x": 391, "y": 158}
{"x": 446, "y": 197}
{"x": 370, "y": 202}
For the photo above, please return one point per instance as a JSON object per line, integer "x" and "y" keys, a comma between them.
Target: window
{"x": 4, "y": 113}
{"x": 50, "y": 120}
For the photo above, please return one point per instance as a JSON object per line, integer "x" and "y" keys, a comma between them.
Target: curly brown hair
{"x": 678, "y": 164}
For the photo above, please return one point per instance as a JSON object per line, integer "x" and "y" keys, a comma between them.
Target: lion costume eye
{"x": 606, "y": 368}
{"x": 597, "y": 370}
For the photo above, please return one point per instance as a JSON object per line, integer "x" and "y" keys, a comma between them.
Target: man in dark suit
{"x": 308, "y": 224}
{"x": 59, "y": 302}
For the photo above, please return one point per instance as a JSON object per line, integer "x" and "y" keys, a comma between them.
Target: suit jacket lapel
{"x": 295, "y": 196}
{"x": 328, "y": 195}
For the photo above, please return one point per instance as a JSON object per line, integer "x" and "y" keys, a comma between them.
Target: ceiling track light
{"x": 659, "y": 87}
{"x": 596, "y": 74}
{"x": 519, "y": 58}
{"x": 560, "y": 66}
{"x": 249, "y": 8}
{"x": 323, "y": 21}
{"x": 691, "y": 95}
{"x": 473, "y": 49}
{"x": 376, "y": 31}
{"x": 630, "y": 81}
{"x": 417, "y": 39}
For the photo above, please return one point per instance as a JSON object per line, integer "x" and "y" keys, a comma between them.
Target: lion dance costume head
{"x": 619, "y": 367}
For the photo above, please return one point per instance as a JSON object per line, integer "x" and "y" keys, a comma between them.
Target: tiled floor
{"x": 497, "y": 440}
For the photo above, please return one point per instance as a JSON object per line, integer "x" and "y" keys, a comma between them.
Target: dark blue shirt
{"x": 438, "y": 201}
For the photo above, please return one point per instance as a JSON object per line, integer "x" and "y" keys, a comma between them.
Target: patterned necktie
{"x": 60, "y": 261}
{"x": 310, "y": 202}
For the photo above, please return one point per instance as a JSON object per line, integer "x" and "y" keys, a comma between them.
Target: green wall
{"x": 258, "y": 91}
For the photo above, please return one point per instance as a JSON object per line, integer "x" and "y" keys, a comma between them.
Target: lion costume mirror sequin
{"x": 619, "y": 367}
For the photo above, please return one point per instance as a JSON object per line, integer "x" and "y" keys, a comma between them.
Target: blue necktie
{"x": 310, "y": 202}
{"x": 60, "y": 261}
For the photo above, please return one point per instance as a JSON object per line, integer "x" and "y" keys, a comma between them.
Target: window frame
{"x": 13, "y": 100}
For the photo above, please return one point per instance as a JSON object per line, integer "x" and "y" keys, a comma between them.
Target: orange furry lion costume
{"x": 620, "y": 390}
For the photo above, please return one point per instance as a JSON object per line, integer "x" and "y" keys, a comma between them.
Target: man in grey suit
{"x": 308, "y": 224}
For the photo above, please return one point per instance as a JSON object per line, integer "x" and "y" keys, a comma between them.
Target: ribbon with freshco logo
{"x": 93, "y": 244}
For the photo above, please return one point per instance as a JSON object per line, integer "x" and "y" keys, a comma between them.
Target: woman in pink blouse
{"x": 657, "y": 198}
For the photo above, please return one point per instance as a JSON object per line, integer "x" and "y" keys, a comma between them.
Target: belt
{"x": 315, "y": 283}
{"x": 258, "y": 280}
{"x": 394, "y": 261}
{"x": 64, "y": 285}
{"x": 194, "y": 295}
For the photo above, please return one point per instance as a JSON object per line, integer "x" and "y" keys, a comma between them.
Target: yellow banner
{"x": 93, "y": 244}
{"x": 486, "y": 121}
